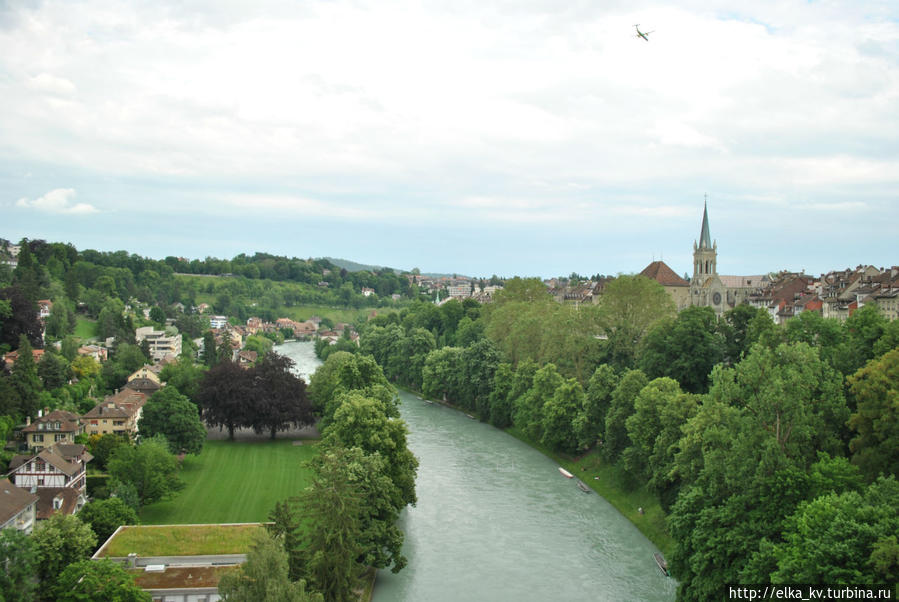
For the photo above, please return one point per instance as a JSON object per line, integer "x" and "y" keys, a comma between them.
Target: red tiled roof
{"x": 662, "y": 274}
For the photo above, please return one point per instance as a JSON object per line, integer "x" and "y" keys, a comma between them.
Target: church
{"x": 707, "y": 288}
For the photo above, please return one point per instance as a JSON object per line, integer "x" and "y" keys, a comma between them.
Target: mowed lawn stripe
{"x": 235, "y": 482}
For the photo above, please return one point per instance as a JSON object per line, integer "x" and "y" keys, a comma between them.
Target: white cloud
{"x": 57, "y": 201}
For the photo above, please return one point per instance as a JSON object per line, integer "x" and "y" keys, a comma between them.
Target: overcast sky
{"x": 513, "y": 137}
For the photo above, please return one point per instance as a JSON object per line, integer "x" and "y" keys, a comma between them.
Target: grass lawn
{"x": 182, "y": 540}
{"x": 85, "y": 328}
{"x": 235, "y": 482}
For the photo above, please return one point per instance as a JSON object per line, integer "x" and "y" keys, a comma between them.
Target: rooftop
{"x": 180, "y": 540}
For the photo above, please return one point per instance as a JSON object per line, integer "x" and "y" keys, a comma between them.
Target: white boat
{"x": 565, "y": 473}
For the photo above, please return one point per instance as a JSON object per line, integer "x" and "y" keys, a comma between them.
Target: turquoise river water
{"x": 496, "y": 521}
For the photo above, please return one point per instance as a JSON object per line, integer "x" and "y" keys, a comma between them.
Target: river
{"x": 496, "y": 521}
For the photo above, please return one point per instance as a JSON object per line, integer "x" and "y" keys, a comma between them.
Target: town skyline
{"x": 479, "y": 139}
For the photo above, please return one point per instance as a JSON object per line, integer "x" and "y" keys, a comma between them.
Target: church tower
{"x": 705, "y": 254}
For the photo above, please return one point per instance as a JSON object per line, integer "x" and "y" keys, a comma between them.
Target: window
{"x": 59, "y": 438}
{"x": 39, "y": 466}
{"x": 40, "y": 481}
{"x": 38, "y": 437}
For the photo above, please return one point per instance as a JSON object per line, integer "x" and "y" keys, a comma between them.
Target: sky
{"x": 527, "y": 137}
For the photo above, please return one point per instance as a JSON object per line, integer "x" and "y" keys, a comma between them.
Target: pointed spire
{"x": 705, "y": 239}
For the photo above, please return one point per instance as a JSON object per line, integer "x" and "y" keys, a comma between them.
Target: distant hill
{"x": 352, "y": 266}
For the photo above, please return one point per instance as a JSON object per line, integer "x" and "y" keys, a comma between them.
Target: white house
{"x": 18, "y": 507}
{"x": 57, "y": 475}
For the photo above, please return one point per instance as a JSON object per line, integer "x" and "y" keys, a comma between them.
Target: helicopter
{"x": 640, "y": 34}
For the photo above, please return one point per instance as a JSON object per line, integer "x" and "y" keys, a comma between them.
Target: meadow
{"x": 235, "y": 482}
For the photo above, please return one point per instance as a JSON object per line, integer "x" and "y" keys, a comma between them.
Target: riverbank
{"x": 612, "y": 484}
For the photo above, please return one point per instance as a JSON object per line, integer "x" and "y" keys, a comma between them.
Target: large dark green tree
{"x": 150, "y": 467}
{"x": 787, "y": 405}
{"x": 685, "y": 348}
{"x": 332, "y": 507}
{"x": 875, "y": 423}
{"x": 171, "y": 414}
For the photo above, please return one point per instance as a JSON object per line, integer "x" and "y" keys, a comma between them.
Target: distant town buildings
{"x": 784, "y": 294}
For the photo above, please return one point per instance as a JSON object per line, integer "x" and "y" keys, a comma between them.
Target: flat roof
{"x": 180, "y": 577}
{"x": 180, "y": 540}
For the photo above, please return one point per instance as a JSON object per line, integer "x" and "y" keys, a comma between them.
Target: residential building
{"x": 57, "y": 475}
{"x": 100, "y": 354}
{"x": 676, "y": 287}
{"x": 160, "y": 344}
{"x": 117, "y": 414}
{"x": 44, "y": 306}
{"x": 190, "y": 577}
{"x": 50, "y": 428}
{"x": 18, "y": 507}
{"x": 218, "y": 321}
{"x": 145, "y": 380}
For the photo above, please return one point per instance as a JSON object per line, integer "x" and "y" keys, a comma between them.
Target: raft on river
{"x": 565, "y": 473}
{"x": 663, "y": 565}
{"x": 583, "y": 486}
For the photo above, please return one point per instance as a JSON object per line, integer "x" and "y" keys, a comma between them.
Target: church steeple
{"x": 705, "y": 254}
{"x": 705, "y": 239}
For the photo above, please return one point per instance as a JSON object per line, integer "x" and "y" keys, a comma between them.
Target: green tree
{"x": 832, "y": 539}
{"x": 97, "y": 581}
{"x": 559, "y": 414}
{"x": 644, "y": 425}
{"x": 20, "y": 560}
{"x": 521, "y": 289}
{"x": 61, "y": 321}
{"x": 173, "y": 415}
{"x": 629, "y": 306}
{"x": 263, "y": 577}
{"x": 61, "y": 540}
{"x": 441, "y": 376}
{"x": 862, "y": 330}
{"x": 102, "y": 447}
{"x": 332, "y": 508}
{"x": 684, "y": 349}
{"x": 183, "y": 375}
{"x": 590, "y": 422}
{"x": 25, "y": 379}
{"x": 529, "y": 411}
{"x": 737, "y": 329}
{"x": 157, "y": 314}
{"x": 785, "y": 405}
{"x": 149, "y": 467}
{"x": 616, "y": 439}
{"x": 105, "y": 516}
{"x": 415, "y": 349}
{"x": 500, "y": 404}
{"x": 875, "y": 423}
{"x": 363, "y": 422}
{"x": 52, "y": 370}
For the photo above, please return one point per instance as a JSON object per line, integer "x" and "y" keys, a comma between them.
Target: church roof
{"x": 661, "y": 273}
{"x": 705, "y": 239}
